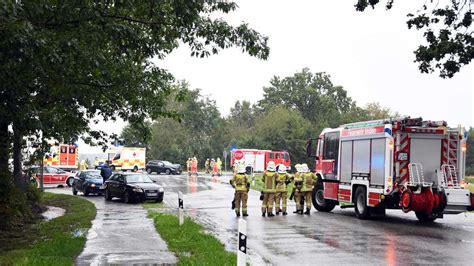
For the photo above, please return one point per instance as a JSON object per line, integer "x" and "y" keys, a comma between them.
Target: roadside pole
{"x": 42, "y": 169}
{"x": 180, "y": 208}
{"x": 242, "y": 243}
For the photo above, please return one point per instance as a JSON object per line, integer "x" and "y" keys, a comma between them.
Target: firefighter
{"x": 83, "y": 166}
{"x": 269, "y": 186}
{"x": 281, "y": 194}
{"x": 206, "y": 166}
{"x": 241, "y": 183}
{"x": 215, "y": 169}
{"x": 297, "y": 185}
{"x": 219, "y": 166}
{"x": 188, "y": 165}
{"x": 212, "y": 163}
{"x": 309, "y": 179}
{"x": 194, "y": 166}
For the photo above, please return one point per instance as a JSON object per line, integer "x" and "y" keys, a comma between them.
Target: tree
{"x": 64, "y": 64}
{"x": 68, "y": 63}
{"x": 373, "y": 111}
{"x": 448, "y": 33}
{"x": 314, "y": 95}
{"x": 136, "y": 135}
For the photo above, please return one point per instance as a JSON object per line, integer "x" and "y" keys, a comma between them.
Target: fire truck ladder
{"x": 452, "y": 149}
{"x": 450, "y": 176}
{"x": 417, "y": 178}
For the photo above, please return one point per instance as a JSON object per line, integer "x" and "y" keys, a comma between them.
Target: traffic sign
{"x": 238, "y": 155}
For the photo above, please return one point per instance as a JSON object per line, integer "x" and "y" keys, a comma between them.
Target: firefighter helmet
{"x": 304, "y": 168}
{"x": 241, "y": 169}
{"x": 271, "y": 166}
{"x": 298, "y": 167}
{"x": 281, "y": 169}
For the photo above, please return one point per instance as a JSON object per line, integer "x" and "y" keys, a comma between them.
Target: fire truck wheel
{"x": 361, "y": 209}
{"x": 319, "y": 202}
{"x": 423, "y": 217}
{"x": 135, "y": 168}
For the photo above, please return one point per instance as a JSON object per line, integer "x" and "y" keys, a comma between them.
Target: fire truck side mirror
{"x": 311, "y": 148}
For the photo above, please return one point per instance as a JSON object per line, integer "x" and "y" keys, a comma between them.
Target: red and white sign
{"x": 238, "y": 155}
{"x": 355, "y": 132}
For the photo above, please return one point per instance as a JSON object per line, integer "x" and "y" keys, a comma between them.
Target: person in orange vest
{"x": 194, "y": 166}
{"x": 215, "y": 169}
{"x": 269, "y": 188}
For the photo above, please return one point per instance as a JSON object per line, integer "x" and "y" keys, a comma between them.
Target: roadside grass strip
{"x": 190, "y": 244}
{"x": 55, "y": 242}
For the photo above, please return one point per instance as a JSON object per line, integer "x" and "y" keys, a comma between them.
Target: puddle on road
{"x": 53, "y": 212}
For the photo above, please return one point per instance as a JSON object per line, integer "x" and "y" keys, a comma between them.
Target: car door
{"x": 48, "y": 175}
{"x": 80, "y": 181}
{"x": 161, "y": 167}
{"x": 111, "y": 184}
{"x": 120, "y": 186}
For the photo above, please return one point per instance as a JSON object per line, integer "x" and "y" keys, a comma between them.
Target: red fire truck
{"x": 407, "y": 164}
{"x": 257, "y": 160}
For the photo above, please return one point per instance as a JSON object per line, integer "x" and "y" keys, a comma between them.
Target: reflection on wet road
{"x": 323, "y": 238}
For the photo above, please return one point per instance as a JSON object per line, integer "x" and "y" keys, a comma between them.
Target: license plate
{"x": 152, "y": 194}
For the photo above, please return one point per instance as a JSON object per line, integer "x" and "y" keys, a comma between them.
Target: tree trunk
{"x": 20, "y": 181}
{"x": 4, "y": 146}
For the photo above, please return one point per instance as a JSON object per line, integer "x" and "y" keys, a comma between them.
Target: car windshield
{"x": 167, "y": 163}
{"x": 140, "y": 178}
{"x": 92, "y": 175}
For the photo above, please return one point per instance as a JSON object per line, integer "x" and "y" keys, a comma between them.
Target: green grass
{"x": 189, "y": 242}
{"x": 53, "y": 242}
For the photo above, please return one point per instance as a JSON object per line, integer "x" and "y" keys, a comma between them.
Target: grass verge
{"x": 189, "y": 242}
{"x": 51, "y": 243}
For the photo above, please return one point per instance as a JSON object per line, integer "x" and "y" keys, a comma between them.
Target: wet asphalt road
{"x": 323, "y": 238}
{"x": 121, "y": 234}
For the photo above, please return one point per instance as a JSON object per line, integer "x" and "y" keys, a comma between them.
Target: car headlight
{"x": 161, "y": 189}
{"x": 92, "y": 185}
{"x": 139, "y": 190}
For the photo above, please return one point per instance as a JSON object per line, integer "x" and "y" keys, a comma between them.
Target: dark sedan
{"x": 87, "y": 182}
{"x": 132, "y": 187}
{"x": 163, "y": 167}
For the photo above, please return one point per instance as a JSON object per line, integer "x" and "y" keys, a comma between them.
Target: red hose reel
{"x": 425, "y": 202}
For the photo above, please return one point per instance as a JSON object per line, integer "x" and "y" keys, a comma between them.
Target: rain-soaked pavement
{"x": 122, "y": 234}
{"x": 323, "y": 238}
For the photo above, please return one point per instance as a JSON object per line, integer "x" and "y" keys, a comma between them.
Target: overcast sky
{"x": 370, "y": 54}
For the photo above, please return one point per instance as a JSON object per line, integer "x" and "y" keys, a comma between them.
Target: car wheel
{"x": 148, "y": 170}
{"x": 74, "y": 191}
{"x": 361, "y": 209}
{"x": 107, "y": 195}
{"x": 127, "y": 198}
{"x": 86, "y": 192}
{"x": 70, "y": 181}
{"x": 320, "y": 203}
{"x": 167, "y": 171}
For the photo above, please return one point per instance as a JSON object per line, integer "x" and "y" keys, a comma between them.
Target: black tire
{"x": 86, "y": 192}
{"x": 107, "y": 195}
{"x": 319, "y": 202}
{"x": 126, "y": 197}
{"x": 148, "y": 170}
{"x": 168, "y": 171}
{"x": 74, "y": 191}
{"x": 426, "y": 218}
{"x": 70, "y": 181}
{"x": 135, "y": 168}
{"x": 362, "y": 211}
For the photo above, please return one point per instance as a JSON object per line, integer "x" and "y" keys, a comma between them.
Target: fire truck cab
{"x": 407, "y": 164}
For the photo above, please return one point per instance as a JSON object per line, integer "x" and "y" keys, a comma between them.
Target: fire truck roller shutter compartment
{"x": 346, "y": 161}
{"x": 377, "y": 162}
{"x": 426, "y": 150}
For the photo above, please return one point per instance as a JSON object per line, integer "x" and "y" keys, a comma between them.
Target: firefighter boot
{"x": 263, "y": 213}
{"x": 300, "y": 212}
{"x": 285, "y": 213}
{"x": 270, "y": 214}
{"x": 307, "y": 212}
